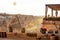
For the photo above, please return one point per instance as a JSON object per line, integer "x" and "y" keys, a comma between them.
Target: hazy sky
{"x": 28, "y": 7}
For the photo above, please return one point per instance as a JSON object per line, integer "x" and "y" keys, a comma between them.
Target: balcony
{"x": 52, "y": 19}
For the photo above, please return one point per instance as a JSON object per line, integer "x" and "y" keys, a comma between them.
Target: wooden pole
{"x": 46, "y": 12}
{"x": 52, "y": 12}
{"x": 56, "y": 13}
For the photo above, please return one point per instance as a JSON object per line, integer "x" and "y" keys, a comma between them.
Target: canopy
{"x": 54, "y": 6}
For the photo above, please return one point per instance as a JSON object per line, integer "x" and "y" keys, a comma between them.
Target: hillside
{"x": 18, "y": 21}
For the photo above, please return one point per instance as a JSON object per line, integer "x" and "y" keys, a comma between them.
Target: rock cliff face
{"x": 18, "y": 21}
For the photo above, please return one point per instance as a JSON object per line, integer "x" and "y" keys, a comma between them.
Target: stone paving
{"x": 16, "y": 39}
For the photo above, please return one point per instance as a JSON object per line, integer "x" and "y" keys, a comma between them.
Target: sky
{"x": 26, "y": 7}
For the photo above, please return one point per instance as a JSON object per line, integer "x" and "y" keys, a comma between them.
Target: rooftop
{"x": 54, "y": 6}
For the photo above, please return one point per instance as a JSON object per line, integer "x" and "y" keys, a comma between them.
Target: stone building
{"x": 52, "y": 22}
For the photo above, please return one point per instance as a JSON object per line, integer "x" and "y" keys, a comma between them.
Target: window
{"x": 56, "y": 32}
{"x": 50, "y": 32}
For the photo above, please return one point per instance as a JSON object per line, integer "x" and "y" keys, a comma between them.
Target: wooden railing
{"x": 51, "y": 22}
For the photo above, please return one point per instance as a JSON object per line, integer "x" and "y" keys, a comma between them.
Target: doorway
{"x": 3, "y": 35}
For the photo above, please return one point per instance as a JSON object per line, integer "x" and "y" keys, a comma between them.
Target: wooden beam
{"x": 46, "y": 9}
{"x": 52, "y": 12}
